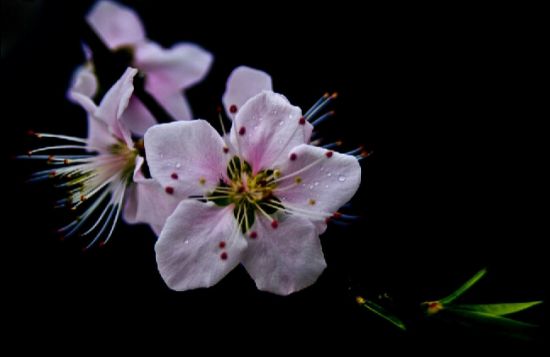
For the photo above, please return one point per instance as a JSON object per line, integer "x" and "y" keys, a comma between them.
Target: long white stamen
{"x": 61, "y": 137}
{"x": 305, "y": 168}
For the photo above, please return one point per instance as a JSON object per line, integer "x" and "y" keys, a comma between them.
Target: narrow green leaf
{"x": 383, "y": 313}
{"x": 488, "y": 319}
{"x": 497, "y": 309}
{"x": 464, "y": 288}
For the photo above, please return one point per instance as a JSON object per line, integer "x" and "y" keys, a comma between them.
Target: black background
{"x": 445, "y": 98}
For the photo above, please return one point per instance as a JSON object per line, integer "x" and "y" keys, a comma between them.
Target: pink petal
{"x": 186, "y": 157}
{"x": 244, "y": 83}
{"x": 147, "y": 202}
{"x": 114, "y": 103}
{"x": 137, "y": 118}
{"x": 330, "y": 181}
{"x": 286, "y": 259}
{"x": 99, "y": 136}
{"x": 84, "y": 82}
{"x": 176, "y": 68}
{"x": 198, "y": 246}
{"x": 173, "y": 101}
{"x": 115, "y": 24}
{"x": 266, "y": 128}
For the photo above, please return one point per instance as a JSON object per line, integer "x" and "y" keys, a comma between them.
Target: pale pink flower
{"x": 105, "y": 177}
{"x": 167, "y": 71}
{"x": 260, "y": 197}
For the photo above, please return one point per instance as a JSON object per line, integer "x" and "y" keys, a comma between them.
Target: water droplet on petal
{"x": 281, "y": 122}
{"x": 326, "y": 186}
{"x": 186, "y": 241}
{"x": 178, "y": 165}
{"x": 341, "y": 178}
{"x": 311, "y": 187}
{"x": 329, "y": 174}
{"x": 316, "y": 183}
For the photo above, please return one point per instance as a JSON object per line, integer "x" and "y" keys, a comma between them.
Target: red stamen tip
{"x": 226, "y": 150}
{"x": 31, "y": 133}
{"x": 302, "y": 121}
{"x": 274, "y": 224}
{"x": 223, "y": 256}
{"x": 336, "y": 215}
{"x": 293, "y": 156}
{"x": 329, "y": 154}
{"x": 253, "y": 235}
{"x": 242, "y": 130}
{"x": 334, "y": 95}
{"x": 233, "y": 109}
{"x": 169, "y": 190}
{"x": 174, "y": 176}
{"x": 222, "y": 244}
{"x": 219, "y": 109}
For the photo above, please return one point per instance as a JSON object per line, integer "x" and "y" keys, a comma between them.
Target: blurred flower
{"x": 262, "y": 197}
{"x": 167, "y": 71}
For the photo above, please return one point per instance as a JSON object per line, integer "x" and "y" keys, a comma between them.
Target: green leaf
{"x": 497, "y": 309}
{"x": 463, "y": 288}
{"x": 383, "y": 313}
{"x": 488, "y": 319}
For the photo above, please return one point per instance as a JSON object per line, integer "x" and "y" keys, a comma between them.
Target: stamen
{"x": 317, "y": 107}
{"x": 323, "y": 117}
{"x": 355, "y": 151}
{"x": 317, "y": 103}
{"x": 332, "y": 145}
{"x": 305, "y": 168}
{"x": 61, "y": 137}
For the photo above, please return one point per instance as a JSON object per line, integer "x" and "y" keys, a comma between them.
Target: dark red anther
{"x": 174, "y": 176}
{"x": 233, "y": 109}
{"x": 226, "y": 150}
{"x": 293, "y": 156}
{"x": 274, "y": 224}
{"x": 242, "y": 130}
{"x": 253, "y": 235}
{"x": 169, "y": 190}
{"x": 223, "y": 256}
{"x": 222, "y": 244}
{"x": 302, "y": 121}
{"x": 329, "y": 154}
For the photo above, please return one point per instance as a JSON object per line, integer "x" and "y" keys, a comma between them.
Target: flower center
{"x": 249, "y": 193}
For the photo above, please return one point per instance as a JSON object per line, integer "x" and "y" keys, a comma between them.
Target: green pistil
{"x": 249, "y": 193}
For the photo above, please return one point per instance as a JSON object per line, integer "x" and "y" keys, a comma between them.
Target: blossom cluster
{"x": 259, "y": 194}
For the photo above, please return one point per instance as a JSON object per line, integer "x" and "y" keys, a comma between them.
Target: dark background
{"x": 445, "y": 98}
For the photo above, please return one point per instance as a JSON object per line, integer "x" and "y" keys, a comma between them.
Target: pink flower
{"x": 262, "y": 197}
{"x": 106, "y": 175}
{"x": 167, "y": 71}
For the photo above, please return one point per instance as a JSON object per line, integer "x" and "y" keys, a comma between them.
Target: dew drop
{"x": 311, "y": 187}
{"x": 281, "y": 123}
{"x": 329, "y": 174}
{"x": 341, "y": 178}
{"x": 186, "y": 241}
{"x": 316, "y": 183}
{"x": 178, "y": 165}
